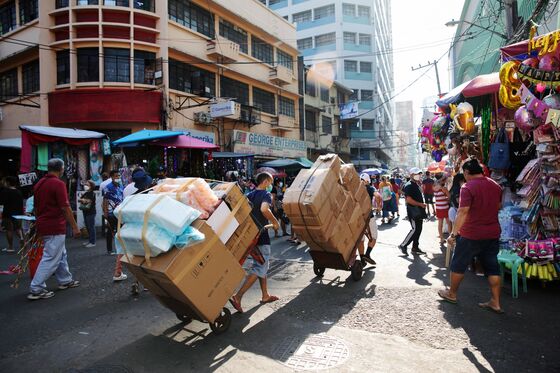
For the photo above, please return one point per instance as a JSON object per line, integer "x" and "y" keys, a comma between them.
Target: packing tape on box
{"x": 182, "y": 188}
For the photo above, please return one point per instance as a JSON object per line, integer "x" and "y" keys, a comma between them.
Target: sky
{"x": 419, "y": 36}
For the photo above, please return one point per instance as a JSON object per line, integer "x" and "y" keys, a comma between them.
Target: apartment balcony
{"x": 360, "y": 20}
{"x": 357, "y": 47}
{"x": 320, "y": 49}
{"x": 280, "y": 75}
{"x": 316, "y": 23}
{"x": 365, "y": 105}
{"x": 222, "y": 49}
{"x": 278, "y": 5}
{"x": 351, "y": 75}
{"x": 283, "y": 123}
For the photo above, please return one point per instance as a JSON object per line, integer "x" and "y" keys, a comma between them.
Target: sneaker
{"x": 89, "y": 245}
{"x": 71, "y": 284}
{"x": 111, "y": 253}
{"x": 122, "y": 277}
{"x": 45, "y": 294}
{"x": 417, "y": 252}
{"x": 403, "y": 249}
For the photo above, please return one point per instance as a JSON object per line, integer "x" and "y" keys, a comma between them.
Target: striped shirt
{"x": 442, "y": 202}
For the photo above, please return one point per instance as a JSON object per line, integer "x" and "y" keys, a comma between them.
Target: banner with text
{"x": 272, "y": 146}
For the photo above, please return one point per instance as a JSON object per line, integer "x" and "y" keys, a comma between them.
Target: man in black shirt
{"x": 416, "y": 211}
{"x": 12, "y": 200}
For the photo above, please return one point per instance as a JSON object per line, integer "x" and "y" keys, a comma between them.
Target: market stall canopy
{"x": 304, "y": 161}
{"x": 480, "y": 86}
{"x": 186, "y": 142}
{"x": 231, "y": 155}
{"x": 146, "y": 135}
{"x": 518, "y": 51}
{"x": 14, "y": 143}
{"x": 290, "y": 164}
{"x": 372, "y": 171}
{"x": 67, "y": 133}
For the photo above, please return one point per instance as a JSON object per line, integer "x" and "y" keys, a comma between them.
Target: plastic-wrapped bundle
{"x": 166, "y": 212}
{"x": 194, "y": 192}
{"x": 189, "y": 199}
{"x": 204, "y": 195}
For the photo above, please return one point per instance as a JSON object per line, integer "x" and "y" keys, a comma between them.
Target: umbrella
{"x": 372, "y": 171}
{"x": 271, "y": 171}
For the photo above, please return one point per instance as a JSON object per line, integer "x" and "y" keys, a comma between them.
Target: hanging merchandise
{"x": 464, "y": 119}
{"x": 95, "y": 162}
{"x": 485, "y": 132}
{"x": 83, "y": 166}
{"x": 106, "y": 144}
{"x": 499, "y": 152}
{"x": 42, "y": 156}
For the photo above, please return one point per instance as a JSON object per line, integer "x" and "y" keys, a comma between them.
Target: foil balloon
{"x": 439, "y": 123}
{"x": 524, "y": 119}
{"x": 510, "y": 85}
{"x": 552, "y": 101}
{"x": 464, "y": 120}
{"x": 549, "y": 63}
{"x": 531, "y": 62}
{"x": 437, "y": 155}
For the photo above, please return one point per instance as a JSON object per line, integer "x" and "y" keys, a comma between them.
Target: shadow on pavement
{"x": 418, "y": 269}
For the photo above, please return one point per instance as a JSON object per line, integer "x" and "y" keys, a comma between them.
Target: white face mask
{"x": 281, "y": 184}
{"x": 117, "y": 181}
{"x": 87, "y": 188}
{"x": 416, "y": 177}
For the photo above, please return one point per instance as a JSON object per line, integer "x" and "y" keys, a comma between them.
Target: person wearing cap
{"x": 372, "y": 239}
{"x": 416, "y": 211}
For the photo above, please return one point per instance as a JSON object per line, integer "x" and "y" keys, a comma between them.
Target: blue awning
{"x": 231, "y": 155}
{"x": 286, "y": 164}
{"x": 146, "y": 135}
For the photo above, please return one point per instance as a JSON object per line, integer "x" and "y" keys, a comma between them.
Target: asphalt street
{"x": 390, "y": 321}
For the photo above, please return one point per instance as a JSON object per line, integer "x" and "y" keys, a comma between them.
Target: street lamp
{"x": 455, "y": 23}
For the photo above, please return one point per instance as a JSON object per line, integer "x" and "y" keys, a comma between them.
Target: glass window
{"x": 367, "y": 124}
{"x": 363, "y": 11}
{"x": 351, "y": 66}
{"x": 326, "y": 124}
{"x": 325, "y": 39}
{"x": 144, "y": 67}
{"x": 284, "y": 59}
{"x": 310, "y": 87}
{"x": 286, "y": 18}
{"x": 324, "y": 11}
{"x": 324, "y": 93}
{"x": 62, "y": 4}
{"x": 261, "y": 50}
{"x": 148, "y": 5}
{"x": 365, "y": 67}
{"x": 340, "y": 97}
{"x": 117, "y": 65}
{"x": 349, "y": 10}
{"x": 286, "y": 107}
{"x": 354, "y": 95}
{"x": 302, "y": 17}
{"x": 88, "y": 65}
{"x": 63, "y": 67}
{"x": 8, "y": 17}
{"x": 8, "y": 84}
{"x": 192, "y": 16}
{"x": 28, "y": 11}
{"x": 367, "y": 95}
{"x": 116, "y": 3}
{"x": 87, "y": 2}
{"x": 365, "y": 39}
{"x": 310, "y": 121}
{"x": 273, "y": 2}
{"x": 306, "y": 43}
{"x": 187, "y": 78}
{"x": 235, "y": 34}
{"x": 234, "y": 89}
{"x": 264, "y": 100}
{"x": 350, "y": 37}
{"x": 30, "y": 77}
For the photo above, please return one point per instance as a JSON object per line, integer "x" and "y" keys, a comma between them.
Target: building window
{"x": 310, "y": 121}
{"x": 117, "y": 65}
{"x": 340, "y": 97}
{"x": 350, "y": 37}
{"x": 8, "y": 17}
{"x": 310, "y": 87}
{"x": 8, "y": 84}
{"x": 274, "y": 2}
{"x": 326, "y": 124}
{"x": 235, "y": 34}
{"x": 364, "y": 39}
{"x": 284, "y": 59}
{"x": 324, "y": 93}
{"x": 325, "y": 39}
{"x": 144, "y": 67}
{"x": 264, "y": 101}
{"x": 363, "y": 11}
{"x": 302, "y": 17}
{"x": 186, "y": 78}
{"x": 30, "y": 77}
{"x": 263, "y": 1}
{"x": 365, "y": 67}
{"x": 234, "y": 89}
{"x": 324, "y": 12}
{"x": 367, "y": 124}
{"x": 286, "y": 107}
{"x": 306, "y": 43}
{"x": 63, "y": 67}
{"x": 354, "y": 95}
{"x": 28, "y": 11}
{"x": 192, "y": 16}
{"x": 116, "y": 3}
{"x": 367, "y": 95}
{"x": 261, "y": 50}
{"x": 349, "y": 10}
{"x": 87, "y": 2}
{"x": 351, "y": 66}
{"x": 148, "y": 5}
{"x": 88, "y": 65}
{"x": 62, "y": 4}
{"x": 286, "y": 18}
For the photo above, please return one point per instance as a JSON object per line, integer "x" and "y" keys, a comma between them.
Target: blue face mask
{"x": 269, "y": 188}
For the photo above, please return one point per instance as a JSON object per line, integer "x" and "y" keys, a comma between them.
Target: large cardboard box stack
{"x": 327, "y": 206}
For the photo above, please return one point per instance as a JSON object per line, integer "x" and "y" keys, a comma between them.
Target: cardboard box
{"x": 363, "y": 200}
{"x": 203, "y": 276}
{"x": 348, "y": 207}
{"x": 242, "y": 239}
{"x": 328, "y": 161}
{"x": 357, "y": 222}
{"x": 337, "y": 197}
{"x": 309, "y": 195}
{"x": 308, "y": 217}
{"x": 231, "y": 193}
{"x": 319, "y": 234}
{"x": 222, "y": 223}
{"x": 350, "y": 178}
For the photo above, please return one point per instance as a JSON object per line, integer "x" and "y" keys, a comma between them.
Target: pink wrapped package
{"x": 193, "y": 192}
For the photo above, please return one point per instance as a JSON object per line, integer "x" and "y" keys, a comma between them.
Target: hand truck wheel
{"x": 318, "y": 270}
{"x": 357, "y": 270}
{"x": 184, "y": 318}
{"x": 222, "y": 323}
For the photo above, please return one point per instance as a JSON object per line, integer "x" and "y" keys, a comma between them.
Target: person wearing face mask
{"x": 112, "y": 197}
{"x": 261, "y": 200}
{"x": 87, "y": 205}
{"x": 416, "y": 211}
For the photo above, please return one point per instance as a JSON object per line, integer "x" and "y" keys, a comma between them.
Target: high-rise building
{"x": 350, "y": 42}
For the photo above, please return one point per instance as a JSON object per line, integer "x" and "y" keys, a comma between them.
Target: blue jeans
{"x": 90, "y": 226}
{"x": 54, "y": 261}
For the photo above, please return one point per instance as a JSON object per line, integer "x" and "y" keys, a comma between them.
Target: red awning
{"x": 483, "y": 85}
{"x": 518, "y": 50}
{"x": 187, "y": 142}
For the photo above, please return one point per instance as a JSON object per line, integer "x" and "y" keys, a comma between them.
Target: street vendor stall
{"x": 226, "y": 165}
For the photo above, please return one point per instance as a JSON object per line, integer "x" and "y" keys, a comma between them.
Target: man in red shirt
{"x": 478, "y": 231}
{"x": 52, "y": 210}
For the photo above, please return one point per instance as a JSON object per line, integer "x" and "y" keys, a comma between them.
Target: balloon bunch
{"x": 464, "y": 118}
{"x": 433, "y": 135}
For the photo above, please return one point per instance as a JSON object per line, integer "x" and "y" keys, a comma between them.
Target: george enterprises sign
{"x": 272, "y": 146}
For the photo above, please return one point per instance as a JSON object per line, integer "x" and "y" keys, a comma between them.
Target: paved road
{"x": 391, "y": 320}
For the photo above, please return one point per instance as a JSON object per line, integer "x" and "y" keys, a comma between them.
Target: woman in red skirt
{"x": 441, "y": 196}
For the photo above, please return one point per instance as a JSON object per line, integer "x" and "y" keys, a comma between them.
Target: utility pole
{"x": 434, "y": 63}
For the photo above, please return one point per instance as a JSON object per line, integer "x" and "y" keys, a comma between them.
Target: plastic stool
{"x": 506, "y": 256}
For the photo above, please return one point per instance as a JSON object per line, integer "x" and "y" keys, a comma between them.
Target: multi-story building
{"x": 350, "y": 41}
{"x": 118, "y": 66}
{"x": 405, "y": 135}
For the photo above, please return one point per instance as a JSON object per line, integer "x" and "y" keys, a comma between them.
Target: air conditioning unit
{"x": 202, "y": 117}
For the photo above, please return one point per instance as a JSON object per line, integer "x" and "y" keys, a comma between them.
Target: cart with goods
{"x": 330, "y": 210}
{"x": 185, "y": 241}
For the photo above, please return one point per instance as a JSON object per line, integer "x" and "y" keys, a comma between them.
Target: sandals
{"x": 235, "y": 304}
{"x": 270, "y": 299}
{"x": 444, "y": 296}
{"x": 488, "y": 307}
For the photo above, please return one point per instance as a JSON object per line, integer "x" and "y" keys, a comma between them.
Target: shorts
{"x": 429, "y": 199}
{"x": 373, "y": 228}
{"x": 11, "y": 224}
{"x": 485, "y": 250}
{"x": 452, "y": 214}
{"x": 442, "y": 213}
{"x": 255, "y": 268}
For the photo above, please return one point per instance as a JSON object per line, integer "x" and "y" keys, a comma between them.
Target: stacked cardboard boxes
{"x": 328, "y": 207}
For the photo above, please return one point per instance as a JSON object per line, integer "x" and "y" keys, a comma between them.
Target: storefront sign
{"x": 273, "y": 146}
{"x": 27, "y": 179}
{"x": 222, "y": 109}
{"x": 200, "y": 135}
{"x": 348, "y": 110}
